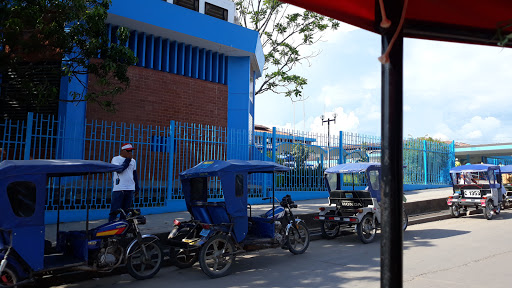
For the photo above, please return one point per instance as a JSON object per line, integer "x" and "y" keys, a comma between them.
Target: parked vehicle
{"x": 351, "y": 210}
{"x": 220, "y": 230}
{"x": 476, "y": 186}
{"x": 506, "y": 188}
{"x": 25, "y": 252}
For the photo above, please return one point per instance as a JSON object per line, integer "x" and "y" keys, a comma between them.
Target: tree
{"x": 36, "y": 32}
{"x": 300, "y": 153}
{"x": 283, "y": 34}
{"x": 437, "y": 155}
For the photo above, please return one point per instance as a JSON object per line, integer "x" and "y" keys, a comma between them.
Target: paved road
{"x": 464, "y": 252}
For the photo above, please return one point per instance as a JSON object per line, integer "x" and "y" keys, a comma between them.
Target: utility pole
{"x": 328, "y": 136}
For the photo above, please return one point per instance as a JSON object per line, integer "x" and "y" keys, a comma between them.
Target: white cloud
{"x": 451, "y": 91}
{"x": 474, "y": 134}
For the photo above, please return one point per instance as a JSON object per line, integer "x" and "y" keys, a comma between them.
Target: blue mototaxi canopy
{"x": 37, "y": 172}
{"x": 227, "y": 171}
{"x": 54, "y": 168}
{"x": 217, "y": 167}
{"x": 351, "y": 167}
{"x": 507, "y": 169}
{"x": 474, "y": 168}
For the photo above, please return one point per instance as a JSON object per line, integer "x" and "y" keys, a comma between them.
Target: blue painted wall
{"x": 73, "y": 146}
{"x": 187, "y": 22}
{"x": 177, "y": 40}
{"x": 239, "y": 106}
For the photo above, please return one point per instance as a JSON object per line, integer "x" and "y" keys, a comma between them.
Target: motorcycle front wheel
{"x": 142, "y": 265}
{"x": 298, "y": 238}
{"x": 217, "y": 256}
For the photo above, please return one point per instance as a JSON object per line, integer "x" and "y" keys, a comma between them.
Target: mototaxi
{"x": 507, "y": 187}
{"x": 353, "y": 209}
{"x": 25, "y": 253}
{"x": 222, "y": 228}
{"x": 476, "y": 186}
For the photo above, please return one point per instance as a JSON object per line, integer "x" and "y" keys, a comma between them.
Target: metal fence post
{"x": 274, "y": 144}
{"x": 170, "y": 166}
{"x": 451, "y": 162}
{"x": 264, "y": 151}
{"x": 341, "y": 158}
{"x": 273, "y": 156}
{"x": 425, "y": 165}
{"x": 28, "y": 135}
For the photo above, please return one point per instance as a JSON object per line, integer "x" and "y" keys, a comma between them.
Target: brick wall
{"x": 155, "y": 98}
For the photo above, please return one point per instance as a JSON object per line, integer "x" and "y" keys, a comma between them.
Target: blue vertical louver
{"x": 154, "y": 52}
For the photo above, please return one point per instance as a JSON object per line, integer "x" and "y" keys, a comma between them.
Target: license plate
{"x": 337, "y": 218}
{"x": 346, "y": 219}
{"x": 204, "y": 232}
{"x": 321, "y": 218}
{"x": 472, "y": 193}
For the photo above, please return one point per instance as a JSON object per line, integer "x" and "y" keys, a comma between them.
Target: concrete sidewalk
{"x": 418, "y": 202}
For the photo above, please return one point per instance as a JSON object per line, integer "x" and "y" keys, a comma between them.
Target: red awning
{"x": 463, "y": 21}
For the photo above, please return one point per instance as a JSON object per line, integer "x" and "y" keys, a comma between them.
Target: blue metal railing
{"x": 163, "y": 152}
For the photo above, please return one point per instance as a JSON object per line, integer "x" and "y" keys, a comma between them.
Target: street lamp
{"x": 328, "y": 136}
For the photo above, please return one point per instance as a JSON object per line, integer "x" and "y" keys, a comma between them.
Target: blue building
{"x": 195, "y": 65}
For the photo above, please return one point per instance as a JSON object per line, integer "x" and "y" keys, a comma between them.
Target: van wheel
{"x": 488, "y": 210}
{"x": 366, "y": 229}
{"x": 405, "y": 220}
{"x": 498, "y": 209}
{"x": 217, "y": 256}
{"x": 185, "y": 258}
{"x": 9, "y": 277}
{"x": 455, "y": 211}
{"x": 330, "y": 230}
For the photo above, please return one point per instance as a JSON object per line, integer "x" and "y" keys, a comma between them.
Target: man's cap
{"x": 127, "y": 146}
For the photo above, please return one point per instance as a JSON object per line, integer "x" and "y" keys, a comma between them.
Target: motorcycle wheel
{"x": 185, "y": 258}
{"x": 140, "y": 268}
{"x": 9, "y": 277}
{"x": 330, "y": 230}
{"x": 298, "y": 238}
{"x": 405, "y": 220}
{"x": 217, "y": 256}
{"x": 365, "y": 229}
{"x": 455, "y": 211}
{"x": 488, "y": 210}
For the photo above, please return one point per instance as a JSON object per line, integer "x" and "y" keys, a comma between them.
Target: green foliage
{"x": 358, "y": 179}
{"x": 437, "y": 154}
{"x": 504, "y": 37}
{"x": 74, "y": 31}
{"x": 301, "y": 179}
{"x": 283, "y": 34}
{"x": 300, "y": 153}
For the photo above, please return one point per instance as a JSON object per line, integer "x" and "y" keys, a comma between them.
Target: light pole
{"x": 328, "y": 136}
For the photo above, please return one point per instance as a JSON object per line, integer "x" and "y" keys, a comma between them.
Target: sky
{"x": 452, "y": 91}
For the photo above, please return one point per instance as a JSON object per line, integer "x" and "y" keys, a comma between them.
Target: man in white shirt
{"x": 125, "y": 182}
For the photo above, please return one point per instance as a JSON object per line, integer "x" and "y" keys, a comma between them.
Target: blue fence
{"x": 163, "y": 152}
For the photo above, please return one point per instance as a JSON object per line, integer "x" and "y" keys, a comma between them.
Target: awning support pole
{"x": 392, "y": 155}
